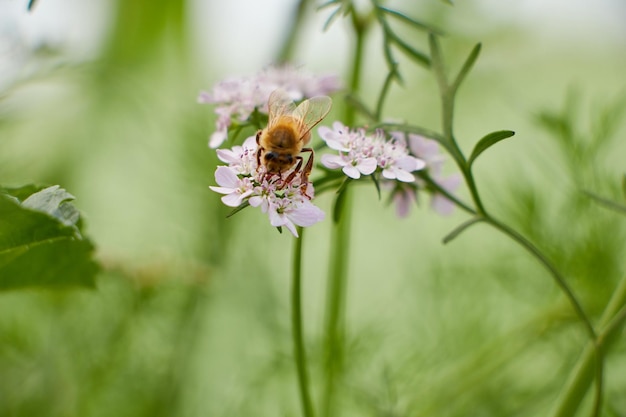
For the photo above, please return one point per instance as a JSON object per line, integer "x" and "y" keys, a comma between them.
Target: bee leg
{"x": 293, "y": 173}
{"x": 304, "y": 175}
{"x": 308, "y": 167}
{"x": 258, "y": 156}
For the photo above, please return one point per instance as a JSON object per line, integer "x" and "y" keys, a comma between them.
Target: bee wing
{"x": 279, "y": 104}
{"x": 310, "y": 112}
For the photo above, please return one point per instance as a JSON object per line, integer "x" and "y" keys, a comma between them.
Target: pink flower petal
{"x": 367, "y": 166}
{"x": 333, "y": 161}
{"x": 232, "y": 200}
{"x": 352, "y": 172}
{"x": 225, "y": 177}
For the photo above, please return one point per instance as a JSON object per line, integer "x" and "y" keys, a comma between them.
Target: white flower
{"x": 286, "y": 204}
{"x": 294, "y": 212}
{"x": 242, "y": 159}
{"x": 236, "y": 189}
{"x": 237, "y": 98}
{"x": 361, "y": 154}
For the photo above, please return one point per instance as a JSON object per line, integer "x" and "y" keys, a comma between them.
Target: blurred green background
{"x": 191, "y": 312}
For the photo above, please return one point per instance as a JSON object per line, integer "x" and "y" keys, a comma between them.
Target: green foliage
{"x": 41, "y": 243}
{"x": 475, "y": 327}
{"x": 488, "y": 141}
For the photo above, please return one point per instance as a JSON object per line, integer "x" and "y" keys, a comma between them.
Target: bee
{"x": 287, "y": 133}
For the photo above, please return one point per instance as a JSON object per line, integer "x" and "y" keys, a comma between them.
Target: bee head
{"x": 277, "y": 162}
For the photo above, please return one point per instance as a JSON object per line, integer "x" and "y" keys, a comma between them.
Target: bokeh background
{"x": 190, "y": 316}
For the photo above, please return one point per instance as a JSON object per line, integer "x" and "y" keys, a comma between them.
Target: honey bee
{"x": 287, "y": 133}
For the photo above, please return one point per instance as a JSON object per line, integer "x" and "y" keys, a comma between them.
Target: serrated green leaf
{"x": 55, "y": 202}
{"x": 39, "y": 249}
{"x": 487, "y": 141}
{"x": 22, "y": 193}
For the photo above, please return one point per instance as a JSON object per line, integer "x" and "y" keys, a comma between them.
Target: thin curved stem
{"x": 558, "y": 278}
{"x": 299, "y": 351}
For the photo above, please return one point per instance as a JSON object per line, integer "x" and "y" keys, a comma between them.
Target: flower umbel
{"x": 361, "y": 154}
{"x": 243, "y": 182}
{"x": 396, "y": 158}
{"x": 238, "y": 98}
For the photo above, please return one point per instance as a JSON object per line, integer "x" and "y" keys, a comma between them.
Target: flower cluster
{"x": 237, "y": 98}
{"x": 397, "y": 158}
{"x": 429, "y": 151}
{"x": 361, "y": 154}
{"x": 243, "y": 182}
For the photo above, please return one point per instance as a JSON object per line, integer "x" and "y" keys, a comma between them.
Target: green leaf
{"x": 461, "y": 228}
{"x": 624, "y": 185}
{"x": 610, "y": 204}
{"x": 40, "y": 243}
{"x": 413, "y": 22}
{"x": 376, "y": 184}
{"x": 487, "y": 141}
{"x": 467, "y": 66}
{"x": 54, "y": 201}
{"x": 419, "y": 57}
{"x": 238, "y": 208}
{"x": 437, "y": 63}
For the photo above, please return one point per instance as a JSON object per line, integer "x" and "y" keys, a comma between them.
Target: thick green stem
{"x": 334, "y": 330}
{"x": 586, "y": 369}
{"x": 299, "y": 351}
{"x": 335, "y": 309}
{"x": 292, "y": 35}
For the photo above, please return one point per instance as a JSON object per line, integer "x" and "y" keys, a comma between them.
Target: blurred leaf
{"x": 467, "y": 66}
{"x": 54, "y": 201}
{"x": 238, "y": 208}
{"x": 376, "y": 184}
{"x": 40, "y": 243}
{"x": 419, "y": 57}
{"x": 22, "y": 193}
{"x": 606, "y": 202}
{"x": 487, "y": 141}
{"x": 624, "y": 185}
{"x": 460, "y": 229}
{"x": 413, "y": 22}
{"x": 31, "y": 4}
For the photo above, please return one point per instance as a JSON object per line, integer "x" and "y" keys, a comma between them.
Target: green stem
{"x": 299, "y": 351}
{"x": 291, "y": 37}
{"x": 593, "y": 356}
{"x": 558, "y": 278}
{"x": 587, "y": 367}
{"x": 336, "y": 300}
{"x": 338, "y": 274}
